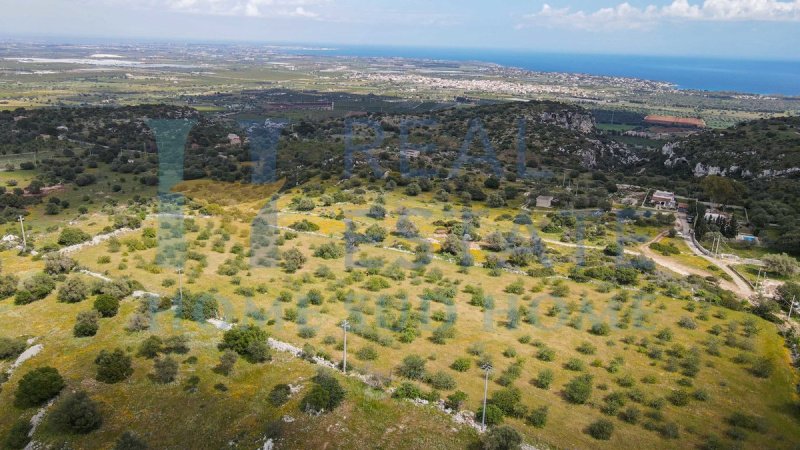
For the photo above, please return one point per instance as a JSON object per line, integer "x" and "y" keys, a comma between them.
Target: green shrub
{"x": 248, "y": 341}
{"x": 86, "y": 324}
{"x": 494, "y": 415}
{"x": 17, "y": 437}
{"x": 326, "y": 394}
{"x": 72, "y": 236}
{"x": 74, "y": 290}
{"x": 461, "y": 364}
{"x": 130, "y": 441}
{"x": 367, "y": 353}
{"x": 575, "y": 364}
{"x": 631, "y": 414}
{"x": 113, "y": 367}
{"x": 546, "y": 354}
{"x": 279, "y": 394}
{"x": 600, "y": 329}
{"x": 77, "y": 413}
{"x": 747, "y": 421}
{"x": 502, "y": 438}
{"x": 38, "y": 386}
{"x": 165, "y": 370}
{"x": 678, "y": 398}
{"x": 579, "y": 389}
{"x": 538, "y": 417}
{"x": 227, "y": 361}
{"x": 544, "y": 379}
{"x": 407, "y": 390}
{"x": 106, "y": 305}
{"x": 11, "y": 348}
{"x": 307, "y": 332}
{"x": 412, "y": 367}
{"x": 455, "y": 400}
{"x": 762, "y": 367}
{"x": 601, "y": 429}
{"x": 586, "y": 348}
{"x": 441, "y": 381}
{"x": 150, "y": 347}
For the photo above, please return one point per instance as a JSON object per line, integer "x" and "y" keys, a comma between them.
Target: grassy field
{"x": 630, "y": 360}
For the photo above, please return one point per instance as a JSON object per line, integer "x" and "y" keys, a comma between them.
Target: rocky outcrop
{"x": 582, "y": 122}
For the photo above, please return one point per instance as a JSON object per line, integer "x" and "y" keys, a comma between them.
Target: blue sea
{"x": 708, "y": 74}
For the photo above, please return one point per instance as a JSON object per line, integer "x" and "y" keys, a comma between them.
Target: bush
{"x": 329, "y": 250}
{"x": 502, "y": 438}
{"x": 326, "y": 394}
{"x": 678, "y": 398}
{"x": 747, "y": 421}
{"x": 8, "y": 286}
{"x": 407, "y": 390}
{"x": 106, "y": 305}
{"x": 367, "y": 353}
{"x": 86, "y": 324}
{"x": 38, "y": 386}
{"x": 455, "y": 400}
{"x": 494, "y": 415}
{"x": 38, "y": 287}
{"x": 17, "y": 437}
{"x": 150, "y": 347}
{"x": 130, "y": 441}
{"x": 226, "y": 362}
{"x": 586, "y": 348}
{"x": 687, "y": 322}
{"x": 413, "y": 367}
{"x": 575, "y": 364}
{"x": 538, "y": 417}
{"x": 74, "y": 290}
{"x": 600, "y": 329}
{"x": 164, "y": 370}
{"x": 442, "y": 381}
{"x": 544, "y": 379}
{"x": 279, "y": 395}
{"x": 198, "y": 307}
{"x": 461, "y": 364}
{"x": 77, "y": 413}
{"x": 248, "y": 341}
{"x": 113, "y": 367}
{"x": 292, "y": 260}
{"x": 601, "y": 429}
{"x": 631, "y": 415}
{"x": 579, "y": 389}
{"x": 762, "y": 367}
{"x": 546, "y": 354}
{"x": 72, "y": 236}
{"x": 508, "y": 400}
{"x": 11, "y": 348}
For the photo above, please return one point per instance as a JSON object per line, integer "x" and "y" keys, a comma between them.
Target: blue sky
{"x": 723, "y": 28}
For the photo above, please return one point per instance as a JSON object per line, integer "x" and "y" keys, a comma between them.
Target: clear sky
{"x": 724, "y": 28}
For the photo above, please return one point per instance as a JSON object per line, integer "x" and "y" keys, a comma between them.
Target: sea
{"x": 754, "y": 76}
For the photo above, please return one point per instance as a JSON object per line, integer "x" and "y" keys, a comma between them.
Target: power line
{"x": 488, "y": 368}
{"x": 345, "y": 327}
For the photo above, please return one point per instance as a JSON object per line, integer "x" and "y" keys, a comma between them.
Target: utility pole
{"x": 487, "y": 368}
{"x": 345, "y": 327}
{"x": 180, "y": 285}
{"x": 791, "y": 307}
{"x": 24, "y": 239}
{"x": 758, "y": 278}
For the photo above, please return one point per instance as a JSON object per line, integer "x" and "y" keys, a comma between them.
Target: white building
{"x": 663, "y": 199}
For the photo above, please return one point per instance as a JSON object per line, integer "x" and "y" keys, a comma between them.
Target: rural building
{"x": 234, "y": 139}
{"x": 544, "y": 201}
{"x": 663, "y": 199}
{"x": 408, "y": 153}
{"x": 748, "y": 238}
{"x": 673, "y": 121}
